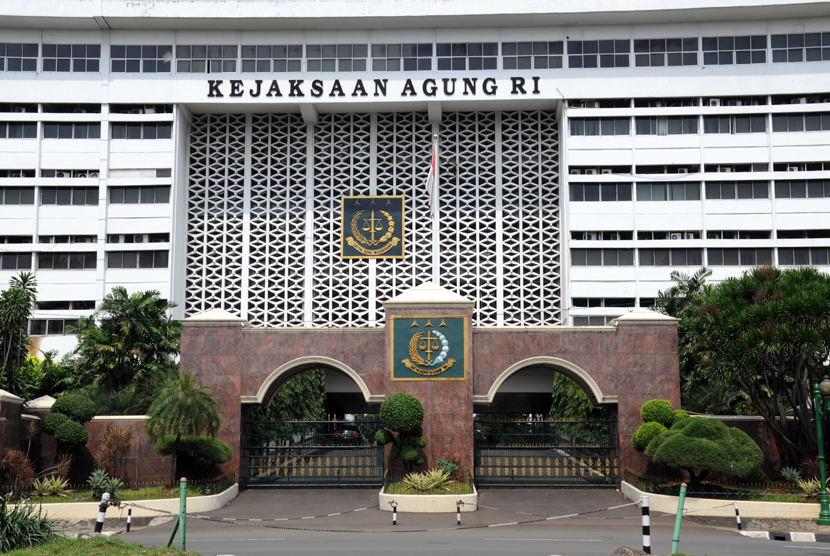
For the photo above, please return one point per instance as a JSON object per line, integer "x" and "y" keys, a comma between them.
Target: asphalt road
{"x": 370, "y": 531}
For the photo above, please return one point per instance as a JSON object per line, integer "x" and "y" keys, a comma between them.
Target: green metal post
{"x": 182, "y": 513}
{"x": 824, "y": 514}
{"x": 173, "y": 533}
{"x": 678, "y": 519}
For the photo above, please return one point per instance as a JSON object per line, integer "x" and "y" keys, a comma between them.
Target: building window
{"x": 279, "y": 58}
{"x": 734, "y": 124}
{"x": 532, "y": 55}
{"x": 69, "y": 130}
{"x": 606, "y": 236}
{"x": 397, "y": 57}
{"x": 18, "y": 57}
{"x": 15, "y": 239}
{"x": 137, "y": 259}
{"x": 671, "y": 257}
{"x": 206, "y": 59}
{"x": 467, "y": 56}
{"x": 603, "y": 54}
{"x": 68, "y": 173}
{"x": 17, "y": 195}
{"x": 71, "y": 57}
{"x": 663, "y": 125}
{"x": 67, "y": 239}
{"x": 801, "y": 122}
{"x": 53, "y": 327}
{"x": 16, "y": 261}
{"x": 140, "y": 195}
{"x": 589, "y": 302}
{"x": 739, "y": 257}
{"x": 69, "y": 196}
{"x": 138, "y": 238}
{"x": 602, "y": 257}
{"x": 65, "y": 305}
{"x": 802, "y": 256}
{"x": 136, "y": 58}
{"x": 595, "y": 192}
{"x": 592, "y": 321}
{"x": 737, "y": 190}
{"x": 722, "y": 51}
{"x": 738, "y": 234}
{"x": 663, "y": 235}
{"x": 63, "y": 261}
{"x": 802, "y": 189}
{"x": 336, "y": 57}
{"x": 668, "y": 191}
{"x": 600, "y": 126}
{"x": 665, "y": 52}
{"x": 142, "y": 131}
{"x": 18, "y": 130}
{"x": 810, "y": 47}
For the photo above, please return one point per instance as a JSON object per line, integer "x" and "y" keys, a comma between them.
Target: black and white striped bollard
{"x": 394, "y": 512}
{"x": 738, "y": 516}
{"x": 646, "y": 525}
{"x": 458, "y": 511}
{"x": 102, "y": 512}
{"x": 129, "y": 516}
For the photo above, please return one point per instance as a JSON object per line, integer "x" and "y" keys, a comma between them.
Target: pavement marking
{"x": 807, "y": 547}
{"x": 558, "y": 540}
{"x": 232, "y": 540}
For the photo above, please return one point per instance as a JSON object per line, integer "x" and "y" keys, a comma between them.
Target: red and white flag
{"x": 431, "y": 181}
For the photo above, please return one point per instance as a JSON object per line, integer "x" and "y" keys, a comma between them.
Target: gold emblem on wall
{"x": 372, "y": 227}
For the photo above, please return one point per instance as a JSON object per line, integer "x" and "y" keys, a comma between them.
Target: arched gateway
{"x": 429, "y": 348}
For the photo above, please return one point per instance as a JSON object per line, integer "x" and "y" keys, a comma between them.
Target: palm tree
{"x": 15, "y": 309}
{"x": 183, "y": 407}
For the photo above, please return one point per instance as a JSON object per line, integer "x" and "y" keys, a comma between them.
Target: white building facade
{"x": 201, "y": 149}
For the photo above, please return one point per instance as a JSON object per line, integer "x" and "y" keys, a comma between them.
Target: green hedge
{"x": 75, "y": 406}
{"x": 658, "y": 411}
{"x": 209, "y": 448}
{"x": 402, "y": 412}
{"x": 647, "y": 432}
{"x": 71, "y": 434}
{"x": 53, "y": 421}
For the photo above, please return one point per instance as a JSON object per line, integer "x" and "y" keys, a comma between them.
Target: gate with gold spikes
{"x": 311, "y": 454}
{"x": 549, "y": 453}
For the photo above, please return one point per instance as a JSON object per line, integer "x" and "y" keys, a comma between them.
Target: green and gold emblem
{"x": 429, "y": 348}
{"x": 372, "y": 227}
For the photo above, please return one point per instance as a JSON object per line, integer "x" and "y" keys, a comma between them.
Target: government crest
{"x": 372, "y": 227}
{"x": 429, "y": 348}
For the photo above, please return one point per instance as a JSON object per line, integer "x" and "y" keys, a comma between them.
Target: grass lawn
{"x": 99, "y": 546}
{"x": 453, "y": 488}
{"x": 147, "y": 493}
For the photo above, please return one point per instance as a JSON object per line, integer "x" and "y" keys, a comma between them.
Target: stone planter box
{"x": 428, "y": 503}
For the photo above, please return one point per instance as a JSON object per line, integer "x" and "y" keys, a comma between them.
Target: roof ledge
{"x": 215, "y": 317}
{"x": 646, "y": 316}
{"x": 428, "y": 293}
{"x": 8, "y": 397}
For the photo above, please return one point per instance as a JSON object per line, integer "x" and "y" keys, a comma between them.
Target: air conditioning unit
{"x": 80, "y": 111}
{"x": 137, "y": 111}
{"x": 813, "y": 100}
{"x": 714, "y": 102}
{"x": 733, "y": 103}
{"x": 141, "y": 238}
{"x": 615, "y": 236}
{"x": 592, "y": 236}
{"x": 676, "y": 235}
{"x": 689, "y": 235}
{"x": 605, "y": 171}
{"x": 792, "y": 168}
{"x": 682, "y": 170}
{"x": 576, "y": 171}
{"x": 655, "y": 103}
{"x": 713, "y": 235}
{"x": 799, "y": 100}
{"x": 92, "y": 175}
{"x": 591, "y": 104}
{"x": 62, "y": 174}
{"x": 80, "y": 174}
{"x": 149, "y": 110}
{"x": 591, "y": 171}
{"x": 20, "y": 109}
{"x": 755, "y": 102}
{"x": 726, "y": 169}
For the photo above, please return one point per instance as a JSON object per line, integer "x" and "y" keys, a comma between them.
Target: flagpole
{"x": 434, "y": 212}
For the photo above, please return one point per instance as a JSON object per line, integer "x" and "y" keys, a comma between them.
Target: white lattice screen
{"x": 498, "y": 225}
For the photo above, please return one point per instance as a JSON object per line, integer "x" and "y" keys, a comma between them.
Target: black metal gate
{"x": 310, "y": 454}
{"x": 546, "y": 453}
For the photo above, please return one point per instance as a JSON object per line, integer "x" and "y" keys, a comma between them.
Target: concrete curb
{"x": 428, "y": 503}
{"x": 787, "y": 537}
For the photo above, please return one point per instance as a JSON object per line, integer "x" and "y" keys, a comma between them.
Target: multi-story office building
{"x": 202, "y": 148}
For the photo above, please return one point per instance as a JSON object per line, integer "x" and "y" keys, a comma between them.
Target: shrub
{"x": 701, "y": 446}
{"x": 22, "y": 526}
{"x": 97, "y": 483}
{"x": 791, "y": 474}
{"x": 434, "y": 479}
{"x": 203, "y": 447}
{"x": 657, "y": 411}
{"x": 679, "y": 415}
{"x": 16, "y": 473}
{"x": 451, "y": 464}
{"x": 75, "y": 406}
{"x": 71, "y": 435}
{"x": 52, "y": 421}
{"x": 645, "y": 434}
{"x": 402, "y": 412}
{"x": 115, "y": 445}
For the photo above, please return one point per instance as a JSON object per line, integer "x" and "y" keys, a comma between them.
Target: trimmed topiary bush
{"x": 645, "y": 434}
{"x": 679, "y": 415}
{"x": 75, "y": 406}
{"x": 402, "y": 413}
{"x": 658, "y": 411}
{"x": 204, "y": 447}
{"x": 71, "y": 435}
{"x": 52, "y": 421}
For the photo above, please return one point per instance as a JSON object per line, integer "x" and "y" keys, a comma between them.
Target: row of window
{"x": 652, "y": 235}
{"x": 157, "y": 194}
{"x": 690, "y": 191}
{"x": 675, "y": 51}
{"x": 85, "y": 260}
{"x": 787, "y": 256}
{"x": 111, "y": 238}
{"x": 684, "y": 125}
{"x": 83, "y": 130}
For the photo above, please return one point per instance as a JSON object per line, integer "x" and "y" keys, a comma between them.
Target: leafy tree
{"x": 40, "y": 377}
{"x": 15, "y": 309}
{"x": 571, "y": 402}
{"x": 701, "y": 446}
{"x": 403, "y": 413}
{"x": 768, "y": 331}
{"x": 182, "y": 407}
{"x": 301, "y": 398}
{"x": 126, "y": 349}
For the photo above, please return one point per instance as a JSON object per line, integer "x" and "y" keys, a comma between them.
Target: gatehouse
{"x": 461, "y": 373}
